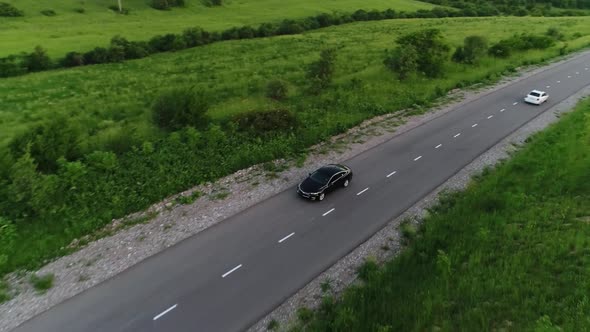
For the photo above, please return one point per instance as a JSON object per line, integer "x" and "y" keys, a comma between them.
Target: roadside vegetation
{"x": 82, "y": 146}
{"x": 511, "y": 252}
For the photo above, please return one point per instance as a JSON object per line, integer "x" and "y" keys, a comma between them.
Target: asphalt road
{"x": 229, "y": 276}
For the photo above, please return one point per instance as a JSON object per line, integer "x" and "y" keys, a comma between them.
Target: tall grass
{"x": 511, "y": 253}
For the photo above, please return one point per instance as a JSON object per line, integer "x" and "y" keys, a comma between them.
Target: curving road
{"x": 227, "y": 277}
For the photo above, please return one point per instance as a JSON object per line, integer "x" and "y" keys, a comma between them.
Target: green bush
{"x": 73, "y": 59}
{"x": 80, "y": 10}
{"x": 38, "y": 60}
{"x": 320, "y": 72}
{"x": 262, "y": 122}
{"x": 277, "y": 89}
{"x": 96, "y": 56}
{"x": 403, "y": 61}
{"x": 12, "y": 65}
{"x": 166, "y": 4}
{"x": 42, "y": 283}
{"x": 431, "y": 49}
{"x": 212, "y": 3}
{"x": 500, "y": 50}
{"x": 176, "y": 109}
{"x": 48, "y": 12}
{"x": 7, "y": 237}
{"x": 8, "y": 10}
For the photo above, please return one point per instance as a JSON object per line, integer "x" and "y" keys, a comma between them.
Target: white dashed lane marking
{"x": 165, "y": 312}
{"x": 417, "y": 158}
{"x": 328, "y": 212}
{"x": 230, "y": 271}
{"x": 390, "y": 174}
{"x": 548, "y": 86}
{"x": 438, "y": 146}
{"x": 558, "y": 81}
{"x": 457, "y": 135}
{"x": 474, "y": 125}
{"x": 489, "y": 117}
{"x": 286, "y": 237}
{"x": 515, "y": 103}
{"x": 569, "y": 77}
{"x": 362, "y": 191}
{"x": 502, "y": 110}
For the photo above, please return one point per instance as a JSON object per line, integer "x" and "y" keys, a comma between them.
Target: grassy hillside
{"x": 97, "y": 110}
{"x": 512, "y": 253}
{"x": 235, "y": 73}
{"x": 73, "y": 31}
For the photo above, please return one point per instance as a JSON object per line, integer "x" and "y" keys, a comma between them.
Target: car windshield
{"x": 534, "y": 94}
{"x": 320, "y": 176}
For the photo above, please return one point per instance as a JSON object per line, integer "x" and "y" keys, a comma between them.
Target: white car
{"x": 536, "y": 97}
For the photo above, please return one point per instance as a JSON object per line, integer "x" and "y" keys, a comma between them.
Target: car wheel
{"x": 345, "y": 184}
{"x": 321, "y": 197}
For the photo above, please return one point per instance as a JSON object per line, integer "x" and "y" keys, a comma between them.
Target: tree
{"x": 431, "y": 48}
{"x": 320, "y": 72}
{"x": 403, "y": 61}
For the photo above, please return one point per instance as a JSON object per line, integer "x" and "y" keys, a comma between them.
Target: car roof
{"x": 537, "y": 91}
{"x": 332, "y": 169}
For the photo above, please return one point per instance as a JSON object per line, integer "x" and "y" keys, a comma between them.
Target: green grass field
{"x": 73, "y": 31}
{"x": 109, "y": 106}
{"x": 511, "y": 253}
{"x": 234, "y": 73}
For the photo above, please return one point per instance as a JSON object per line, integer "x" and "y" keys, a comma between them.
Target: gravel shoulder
{"x": 166, "y": 223}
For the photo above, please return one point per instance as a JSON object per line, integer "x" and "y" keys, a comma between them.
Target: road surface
{"x": 229, "y": 276}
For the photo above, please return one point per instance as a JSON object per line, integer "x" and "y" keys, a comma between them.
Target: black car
{"x": 324, "y": 180}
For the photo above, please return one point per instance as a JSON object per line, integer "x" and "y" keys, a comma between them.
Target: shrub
{"x": 289, "y": 27}
{"x": 277, "y": 89}
{"x": 80, "y": 10}
{"x": 403, "y": 61}
{"x": 474, "y": 47}
{"x": 37, "y": 60}
{"x": 195, "y": 37}
{"x": 48, "y": 12}
{"x": 500, "y": 50}
{"x": 360, "y": 15}
{"x": 96, "y": 56}
{"x": 212, "y": 3}
{"x": 177, "y": 109}
{"x": 320, "y": 72}
{"x": 431, "y": 48}
{"x": 7, "y": 236}
{"x": 261, "y": 122}
{"x": 166, "y": 4}
{"x": 42, "y": 283}
{"x": 122, "y": 49}
{"x": 47, "y": 142}
{"x": 73, "y": 59}
{"x": 267, "y": 30}
{"x": 8, "y": 10}
{"x": 167, "y": 42}
{"x": 368, "y": 269}
{"x": 12, "y": 65}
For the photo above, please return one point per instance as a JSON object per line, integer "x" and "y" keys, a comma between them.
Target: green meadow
{"x": 234, "y": 73}
{"x": 70, "y": 30}
{"x": 122, "y": 162}
{"x": 511, "y": 253}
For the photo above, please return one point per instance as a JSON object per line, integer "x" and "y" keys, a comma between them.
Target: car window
{"x": 336, "y": 177}
{"x": 320, "y": 176}
{"x": 534, "y": 94}
{"x": 544, "y": 94}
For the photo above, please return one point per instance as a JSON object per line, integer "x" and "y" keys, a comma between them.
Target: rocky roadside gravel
{"x": 166, "y": 223}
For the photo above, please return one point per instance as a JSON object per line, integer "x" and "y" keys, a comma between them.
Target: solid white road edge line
{"x": 362, "y": 191}
{"x": 329, "y": 211}
{"x": 390, "y": 174}
{"x": 230, "y": 271}
{"x": 438, "y": 146}
{"x": 417, "y": 158}
{"x": 286, "y": 237}
{"x": 165, "y": 311}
